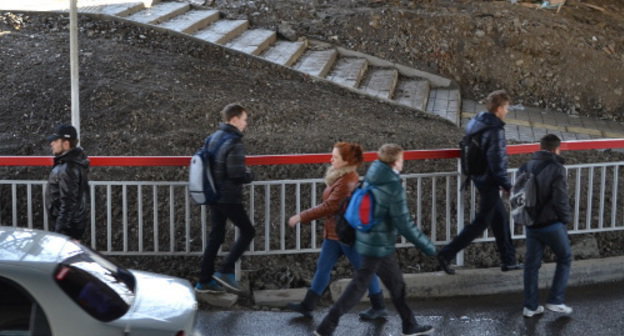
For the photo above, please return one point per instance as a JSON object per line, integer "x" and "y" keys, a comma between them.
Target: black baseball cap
{"x": 67, "y": 132}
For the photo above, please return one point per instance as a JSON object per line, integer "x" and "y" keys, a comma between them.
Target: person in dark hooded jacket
{"x": 550, "y": 228}
{"x": 67, "y": 193}
{"x": 492, "y": 211}
{"x": 230, "y": 174}
{"x": 377, "y": 246}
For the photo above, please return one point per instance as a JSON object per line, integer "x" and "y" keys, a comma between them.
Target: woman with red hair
{"x": 341, "y": 179}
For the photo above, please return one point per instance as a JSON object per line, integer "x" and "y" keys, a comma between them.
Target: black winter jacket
{"x": 552, "y": 184}
{"x": 495, "y": 146}
{"x": 67, "y": 194}
{"x": 230, "y": 171}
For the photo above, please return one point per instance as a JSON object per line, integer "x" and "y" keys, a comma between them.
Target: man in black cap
{"x": 67, "y": 195}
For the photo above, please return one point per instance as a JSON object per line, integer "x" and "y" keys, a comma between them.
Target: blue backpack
{"x": 360, "y": 212}
{"x": 202, "y": 185}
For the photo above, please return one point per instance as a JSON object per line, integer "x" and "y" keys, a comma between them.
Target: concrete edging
{"x": 468, "y": 282}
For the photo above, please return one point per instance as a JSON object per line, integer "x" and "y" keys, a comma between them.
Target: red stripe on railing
{"x": 256, "y": 160}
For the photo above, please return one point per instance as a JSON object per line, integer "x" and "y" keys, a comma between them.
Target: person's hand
{"x": 292, "y": 221}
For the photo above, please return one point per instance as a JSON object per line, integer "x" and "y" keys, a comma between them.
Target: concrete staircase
{"x": 357, "y": 72}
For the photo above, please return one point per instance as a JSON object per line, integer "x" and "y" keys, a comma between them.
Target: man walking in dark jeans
{"x": 377, "y": 246}
{"x": 230, "y": 174}
{"x": 549, "y": 228}
{"x": 491, "y": 208}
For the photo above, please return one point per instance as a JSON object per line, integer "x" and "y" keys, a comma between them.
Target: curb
{"x": 468, "y": 282}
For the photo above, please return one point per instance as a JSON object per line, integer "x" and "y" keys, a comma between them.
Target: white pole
{"x": 73, "y": 58}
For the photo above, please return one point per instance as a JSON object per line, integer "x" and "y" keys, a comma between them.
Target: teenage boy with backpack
{"x": 377, "y": 246}
{"x": 549, "y": 228}
{"x": 230, "y": 173}
{"x": 488, "y": 128}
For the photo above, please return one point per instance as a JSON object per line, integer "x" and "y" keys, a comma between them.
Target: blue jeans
{"x": 331, "y": 250}
{"x": 556, "y": 237}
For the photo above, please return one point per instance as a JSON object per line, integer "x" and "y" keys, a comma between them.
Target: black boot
{"x": 307, "y": 305}
{"x": 377, "y": 309}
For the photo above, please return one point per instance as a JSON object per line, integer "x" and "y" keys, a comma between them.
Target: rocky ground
{"x": 148, "y": 93}
{"x": 571, "y": 61}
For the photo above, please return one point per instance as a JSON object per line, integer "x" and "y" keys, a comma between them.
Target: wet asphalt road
{"x": 598, "y": 311}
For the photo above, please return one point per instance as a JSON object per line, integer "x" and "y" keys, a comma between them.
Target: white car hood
{"x": 162, "y": 303}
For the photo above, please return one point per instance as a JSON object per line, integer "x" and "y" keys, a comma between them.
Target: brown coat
{"x": 340, "y": 183}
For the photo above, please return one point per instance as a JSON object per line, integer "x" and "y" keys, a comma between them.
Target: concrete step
{"x": 191, "y": 21}
{"x": 412, "y": 92}
{"x": 348, "y": 71}
{"x": 317, "y": 62}
{"x": 223, "y": 31}
{"x": 285, "y": 53}
{"x": 380, "y": 82}
{"x": 122, "y": 9}
{"x": 446, "y": 103}
{"x": 160, "y": 12}
{"x": 253, "y": 41}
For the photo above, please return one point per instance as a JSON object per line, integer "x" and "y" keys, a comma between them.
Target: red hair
{"x": 352, "y": 153}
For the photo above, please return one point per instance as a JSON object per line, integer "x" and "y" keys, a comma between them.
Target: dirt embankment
{"x": 571, "y": 61}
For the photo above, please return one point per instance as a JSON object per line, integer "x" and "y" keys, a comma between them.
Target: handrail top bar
{"x": 256, "y": 160}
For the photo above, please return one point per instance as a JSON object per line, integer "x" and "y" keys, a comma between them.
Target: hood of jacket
{"x": 544, "y": 155}
{"x": 381, "y": 175}
{"x": 230, "y": 128}
{"x": 482, "y": 121}
{"x": 74, "y": 155}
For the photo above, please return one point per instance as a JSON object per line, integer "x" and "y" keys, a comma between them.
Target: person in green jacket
{"x": 377, "y": 246}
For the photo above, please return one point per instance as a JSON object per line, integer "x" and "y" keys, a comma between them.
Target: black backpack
{"x": 472, "y": 156}
{"x": 344, "y": 230}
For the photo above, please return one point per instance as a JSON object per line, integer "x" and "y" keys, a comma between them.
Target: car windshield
{"x": 101, "y": 288}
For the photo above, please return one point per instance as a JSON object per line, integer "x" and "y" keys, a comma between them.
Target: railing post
{"x": 459, "y": 259}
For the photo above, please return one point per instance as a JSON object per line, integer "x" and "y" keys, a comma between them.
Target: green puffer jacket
{"x": 391, "y": 214}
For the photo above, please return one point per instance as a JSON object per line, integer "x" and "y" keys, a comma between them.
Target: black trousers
{"x": 387, "y": 268}
{"x": 492, "y": 212}
{"x": 220, "y": 213}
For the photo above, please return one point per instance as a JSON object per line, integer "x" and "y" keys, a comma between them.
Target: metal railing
{"x": 158, "y": 218}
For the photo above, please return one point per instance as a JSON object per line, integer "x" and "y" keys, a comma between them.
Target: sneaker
{"x": 418, "y": 330}
{"x": 228, "y": 281}
{"x": 445, "y": 265}
{"x": 559, "y": 308}
{"x": 211, "y": 287}
{"x": 526, "y": 312}
{"x": 514, "y": 267}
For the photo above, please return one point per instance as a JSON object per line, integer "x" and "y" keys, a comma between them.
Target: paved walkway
{"x": 348, "y": 69}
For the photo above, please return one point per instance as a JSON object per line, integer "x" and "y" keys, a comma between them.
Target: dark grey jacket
{"x": 230, "y": 171}
{"x": 495, "y": 146}
{"x": 67, "y": 194}
{"x": 552, "y": 184}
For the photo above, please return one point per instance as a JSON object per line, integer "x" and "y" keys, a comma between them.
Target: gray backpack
{"x": 525, "y": 205}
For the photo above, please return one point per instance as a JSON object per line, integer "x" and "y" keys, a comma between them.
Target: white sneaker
{"x": 526, "y": 312}
{"x": 559, "y": 308}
